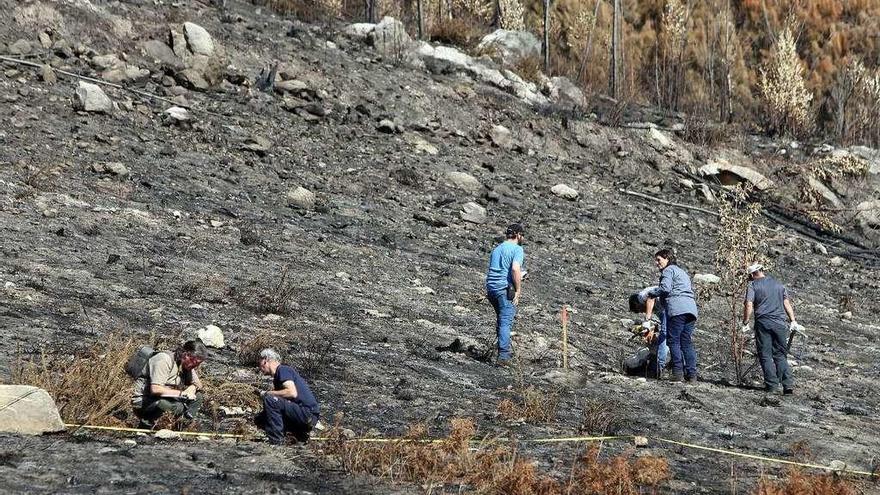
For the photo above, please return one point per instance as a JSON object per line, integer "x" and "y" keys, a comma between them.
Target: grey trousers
{"x": 771, "y": 339}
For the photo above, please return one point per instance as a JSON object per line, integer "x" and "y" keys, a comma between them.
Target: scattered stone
{"x": 826, "y": 193}
{"x": 198, "y": 39}
{"x": 564, "y": 191}
{"x": 565, "y": 93}
{"x": 166, "y": 434}
{"x": 177, "y": 114}
{"x": 387, "y": 126}
{"x": 359, "y": 30}
{"x": 837, "y": 465}
{"x": 640, "y": 441}
{"x": 47, "y": 74}
{"x": 836, "y": 261}
{"x": 125, "y": 73}
{"x": 212, "y": 336}
{"x": 158, "y": 52}
{"x": 348, "y": 433}
{"x": 45, "y": 40}
{"x": 20, "y": 47}
{"x": 501, "y": 137}
{"x": 707, "y": 193}
{"x": 257, "y": 144}
{"x": 129, "y": 443}
{"x": 292, "y": 86}
{"x": 706, "y": 278}
{"x": 375, "y": 313}
{"x": 510, "y": 46}
{"x": 104, "y": 62}
{"x": 232, "y": 411}
{"x": 846, "y": 315}
{"x": 301, "y": 198}
{"x": 463, "y": 180}
{"x": 28, "y": 410}
{"x": 91, "y": 98}
{"x": 659, "y": 138}
{"x": 116, "y": 168}
{"x": 820, "y": 248}
{"x": 473, "y": 213}
{"x": 216, "y": 224}
{"x": 421, "y": 145}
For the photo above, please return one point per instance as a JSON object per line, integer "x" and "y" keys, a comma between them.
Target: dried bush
{"x": 455, "y": 31}
{"x": 783, "y": 88}
{"x": 671, "y": 49}
{"x": 699, "y": 129}
{"x": 530, "y": 69}
{"x": 798, "y": 482}
{"x": 90, "y": 387}
{"x": 512, "y": 15}
{"x": 313, "y": 354}
{"x": 249, "y": 351}
{"x": 811, "y": 201}
{"x": 532, "y": 406}
{"x": 600, "y": 417}
{"x": 737, "y": 246}
{"x": 488, "y": 466}
{"x": 274, "y": 297}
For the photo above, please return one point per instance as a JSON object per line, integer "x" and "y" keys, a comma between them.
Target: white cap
{"x": 757, "y": 267}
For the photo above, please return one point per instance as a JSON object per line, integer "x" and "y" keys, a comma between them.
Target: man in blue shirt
{"x": 504, "y": 285}
{"x": 289, "y": 406}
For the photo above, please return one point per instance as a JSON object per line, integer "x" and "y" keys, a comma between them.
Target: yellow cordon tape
{"x": 528, "y": 440}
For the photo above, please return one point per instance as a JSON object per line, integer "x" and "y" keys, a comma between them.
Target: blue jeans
{"x": 679, "y": 336}
{"x": 662, "y": 347}
{"x": 504, "y": 313}
{"x": 281, "y": 415}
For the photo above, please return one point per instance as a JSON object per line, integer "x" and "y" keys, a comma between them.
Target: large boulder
{"x": 563, "y": 92}
{"x": 868, "y": 216}
{"x": 28, "y": 410}
{"x": 463, "y": 180}
{"x": 198, "y": 39}
{"x": 729, "y": 174}
{"x": 473, "y": 213}
{"x": 359, "y": 30}
{"x": 510, "y": 46}
{"x": 301, "y": 198}
{"x": 564, "y": 191}
{"x": 212, "y": 336}
{"x": 158, "y": 52}
{"x": 91, "y": 98}
{"x": 389, "y": 38}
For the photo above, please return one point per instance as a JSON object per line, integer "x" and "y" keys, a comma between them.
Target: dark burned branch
{"x": 669, "y": 203}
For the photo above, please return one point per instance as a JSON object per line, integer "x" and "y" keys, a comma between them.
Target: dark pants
{"x": 771, "y": 340}
{"x": 281, "y": 415}
{"x": 679, "y": 338}
{"x": 153, "y": 408}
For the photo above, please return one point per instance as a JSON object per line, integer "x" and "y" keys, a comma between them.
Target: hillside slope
{"x": 199, "y": 227}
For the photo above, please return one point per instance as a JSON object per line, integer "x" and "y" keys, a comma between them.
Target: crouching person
{"x": 168, "y": 383}
{"x": 290, "y": 407}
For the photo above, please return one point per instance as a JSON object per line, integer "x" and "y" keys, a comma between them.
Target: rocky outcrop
{"x": 28, "y": 410}
{"x": 510, "y": 47}
{"x": 729, "y": 174}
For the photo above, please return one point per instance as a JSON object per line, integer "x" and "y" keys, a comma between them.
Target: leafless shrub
{"x": 455, "y": 31}
{"x": 314, "y": 354}
{"x": 532, "y": 405}
{"x": 671, "y": 49}
{"x": 799, "y": 482}
{"x": 530, "y": 69}
{"x": 811, "y": 201}
{"x": 737, "y": 246}
{"x": 699, "y": 129}
{"x": 276, "y": 296}
{"x": 249, "y": 351}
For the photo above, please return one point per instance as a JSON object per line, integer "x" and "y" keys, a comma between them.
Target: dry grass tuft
{"x": 89, "y": 388}
{"x": 530, "y": 69}
{"x": 249, "y": 352}
{"x": 533, "y": 406}
{"x": 600, "y": 417}
{"x": 811, "y": 201}
{"x": 455, "y": 31}
{"x": 797, "y": 482}
{"x": 490, "y": 467}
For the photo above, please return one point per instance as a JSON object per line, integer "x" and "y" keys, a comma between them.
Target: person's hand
{"x": 260, "y": 392}
{"x": 188, "y": 393}
{"x": 746, "y": 328}
{"x": 647, "y": 325}
{"x": 516, "y": 299}
{"x": 795, "y": 327}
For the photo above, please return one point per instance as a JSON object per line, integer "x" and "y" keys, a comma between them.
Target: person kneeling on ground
{"x": 168, "y": 383}
{"x": 290, "y": 406}
{"x": 651, "y": 360}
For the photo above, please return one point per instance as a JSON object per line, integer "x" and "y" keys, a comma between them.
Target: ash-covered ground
{"x": 199, "y": 227}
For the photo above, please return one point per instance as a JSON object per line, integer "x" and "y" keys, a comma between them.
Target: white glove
{"x": 189, "y": 393}
{"x": 647, "y": 325}
{"x": 745, "y": 328}
{"x": 795, "y": 327}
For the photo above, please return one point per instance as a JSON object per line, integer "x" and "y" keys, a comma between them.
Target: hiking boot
{"x": 690, "y": 378}
{"x": 503, "y": 363}
{"x": 676, "y": 377}
{"x": 771, "y": 389}
{"x": 787, "y": 391}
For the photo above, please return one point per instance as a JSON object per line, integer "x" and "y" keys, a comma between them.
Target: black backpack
{"x": 138, "y": 361}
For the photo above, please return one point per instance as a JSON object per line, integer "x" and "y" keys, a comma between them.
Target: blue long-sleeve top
{"x": 676, "y": 292}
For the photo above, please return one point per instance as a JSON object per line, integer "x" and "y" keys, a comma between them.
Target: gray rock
{"x": 564, "y": 191}
{"x": 722, "y": 167}
{"x": 116, "y": 168}
{"x": 301, "y": 198}
{"x": 510, "y": 46}
{"x": 194, "y": 79}
{"x": 125, "y": 73}
{"x": 836, "y": 261}
{"x": 707, "y": 193}
{"x": 212, "y": 336}
{"x": 198, "y": 39}
{"x": 659, "y": 139}
{"x": 257, "y": 144}
{"x": 45, "y": 40}
{"x": 463, "y": 180}
{"x": 501, "y": 137}
{"x": 359, "y": 30}
{"x": 177, "y": 114}
{"x": 292, "y": 86}
{"x": 156, "y": 51}
{"x": 706, "y": 278}
{"x": 165, "y": 434}
{"x": 837, "y": 465}
{"x": 564, "y": 93}
{"x": 91, "y": 98}
{"x": 820, "y": 248}
{"x": 387, "y": 126}
{"x": 846, "y": 315}
{"x": 389, "y": 37}
{"x": 47, "y": 74}
{"x": 20, "y": 47}
{"x": 826, "y": 192}
{"x": 473, "y": 213}
{"x": 28, "y": 410}
{"x": 103, "y": 62}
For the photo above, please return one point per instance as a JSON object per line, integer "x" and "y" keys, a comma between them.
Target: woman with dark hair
{"x": 677, "y": 298}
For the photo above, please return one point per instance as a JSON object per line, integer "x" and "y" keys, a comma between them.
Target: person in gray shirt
{"x": 768, "y": 300}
